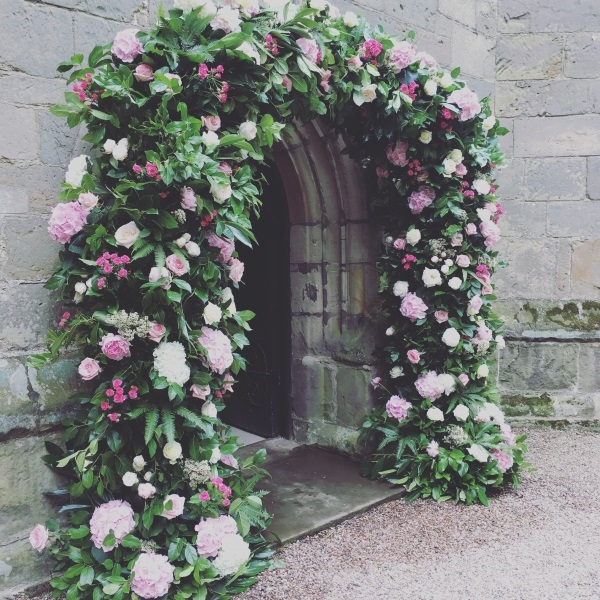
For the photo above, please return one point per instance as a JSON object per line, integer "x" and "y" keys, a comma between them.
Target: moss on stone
{"x": 523, "y": 405}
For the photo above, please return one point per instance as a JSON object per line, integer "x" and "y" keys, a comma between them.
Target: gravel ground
{"x": 539, "y": 542}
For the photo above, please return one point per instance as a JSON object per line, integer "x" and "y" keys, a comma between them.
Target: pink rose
{"x": 157, "y": 273}
{"x": 429, "y": 386}
{"x": 441, "y": 316}
{"x": 491, "y": 232}
{"x": 413, "y": 307}
{"x": 211, "y": 532}
{"x": 151, "y": 169}
{"x": 218, "y": 349}
{"x": 471, "y": 229}
{"x": 126, "y": 45}
{"x": 461, "y": 170}
{"x": 420, "y": 199}
{"x": 227, "y": 247}
{"x": 201, "y": 392}
{"x": 397, "y": 154}
{"x": 463, "y": 378}
{"x": 355, "y": 62}
{"x": 467, "y": 101}
{"x": 399, "y": 244}
{"x": 414, "y": 356}
{"x": 177, "y": 266}
{"x": 115, "y": 347}
{"x": 115, "y": 516}
{"x": 38, "y": 538}
{"x": 157, "y": 332}
{"x": 309, "y": 48}
{"x": 87, "y": 201}
{"x": 152, "y": 575}
{"x": 176, "y": 508}
{"x": 456, "y": 240}
{"x": 462, "y": 260}
{"x": 401, "y": 56}
{"x": 486, "y": 288}
{"x": 144, "y": 73}
{"x": 89, "y": 368}
{"x": 212, "y": 123}
{"x": 287, "y": 83}
{"x": 397, "y": 407}
{"x": 475, "y": 304}
{"x": 236, "y": 271}
{"x": 66, "y": 220}
{"x": 188, "y": 199}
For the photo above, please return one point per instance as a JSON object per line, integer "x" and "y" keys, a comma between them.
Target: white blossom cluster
{"x": 169, "y": 362}
{"x": 129, "y": 324}
{"x": 196, "y": 472}
{"x": 456, "y": 436}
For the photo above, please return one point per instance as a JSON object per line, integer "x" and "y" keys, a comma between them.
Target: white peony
{"x": 139, "y": 463}
{"x": 451, "y": 337}
{"x": 435, "y": 414}
{"x": 227, "y": 19}
{"x": 209, "y": 410}
{"x": 130, "y": 479}
{"x": 109, "y": 146}
{"x": 455, "y": 283}
{"x": 488, "y": 123}
{"x": 211, "y": 314}
{"x": 350, "y": 20}
{"x": 396, "y": 372}
{"x": 233, "y": 554}
{"x": 430, "y": 87}
{"x": 446, "y": 80}
{"x": 447, "y": 382}
{"x": 76, "y": 170}
{"x": 461, "y": 412}
{"x": 210, "y": 139}
{"x": 250, "y": 51}
{"x": 169, "y": 362}
{"x": 172, "y": 451}
{"x": 500, "y": 343}
{"x": 401, "y": 289}
{"x": 431, "y": 277}
{"x": 413, "y": 236}
{"x": 478, "y": 452}
{"x": 120, "y": 150}
{"x": 481, "y": 186}
{"x": 248, "y": 130}
{"x": 425, "y": 137}
{"x": 220, "y": 192}
{"x": 483, "y": 371}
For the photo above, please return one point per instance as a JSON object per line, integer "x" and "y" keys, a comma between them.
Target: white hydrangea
{"x": 431, "y": 277}
{"x": 77, "y": 169}
{"x": 233, "y": 554}
{"x": 169, "y": 362}
{"x": 400, "y": 289}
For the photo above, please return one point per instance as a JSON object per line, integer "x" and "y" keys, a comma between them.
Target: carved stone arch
{"x": 334, "y": 247}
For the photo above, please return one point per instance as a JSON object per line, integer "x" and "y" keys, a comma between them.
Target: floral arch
{"x": 181, "y": 117}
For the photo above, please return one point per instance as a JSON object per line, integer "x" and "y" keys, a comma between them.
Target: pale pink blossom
{"x": 146, "y": 491}
{"x": 471, "y": 229}
{"x": 463, "y": 261}
{"x": 126, "y": 45}
{"x": 467, "y": 101}
{"x": 475, "y": 304}
{"x": 399, "y": 244}
{"x": 178, "y": 266}
{"x": 201, "y": 392}
{"x": 505, "y": 460}
{"x": 38, "y": 538}
{"x": 287, "y": 83}
{"x": 144, "y": 73}
{"x": 429, "y": 386}
{"x": 152, "y": 575}
{"x": 236, "y": 272}
{"x": 211, "y": 532}
{"x": 491, "y": 232}
{"x": 88, "y": 201}
{"x": 188, "y": 199}
{"x": 212, "y": 123}
{"x": 89, "y": 368}
{"x": 66, "y": 220}
{"x": 456, "y": 240}
{"x": 309, "y": 48}
{"x": 396, "y": 154}
{"x": 324, "y": 83}
{"x": 463, "y": 378}
{"x": 115, "y": 347}
{"x": 218, "y": 349}
{"x": 414, "y": 356}
{"x": 461, "y": 170}
{"x": 226, "y": 246}
{"x": 177, "y": 503}
{"x": 115, "y": 516}
{"x": 228, "y": 383}
{"x": 413, "y": 307}
{"x": 441, "y": 316}
{"x": 433, "y": 449}
{"x": 397, "y": 407}
{"x": 157, "y": 332}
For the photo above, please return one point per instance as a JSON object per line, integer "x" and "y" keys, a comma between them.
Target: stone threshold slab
{"x": 311, "y": 489}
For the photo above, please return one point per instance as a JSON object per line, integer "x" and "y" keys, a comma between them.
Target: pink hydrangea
{"x": 491, "y": 232}
{"x": 227, "y": 247}
{"x": 309, "y": 48}
{"x": 177, "y": 504}
{"x": 236, "y": 272}
{"x": 413, "y": 307}
{"x": 467, "y": 101}
{"x": 371, "y": 48}
{"x": 115, "y": 347}
{"x": 433, "y": 449}
{"x": 429, "y": 386}
{"x": 126, "y": 45}
{"x": 401, "y": 56}
{"x": 414, "y": 356}
{"x": 115, "y": 516}
{"x": 218, "y": 349}
{"x": 421, "y": 199}
{"x": 152, "y": 575}
{"x": 188, "y": 199}
{"x": 66, "y": 220}
{"x": 397, "y": 154}
{"x": 505, "y": 460}
{"x": 397, "y": 407}
{"x": 211, "y": 532}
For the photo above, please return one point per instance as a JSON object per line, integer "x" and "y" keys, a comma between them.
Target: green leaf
{"x": 151, "y": 422}
{"x": 168, "y": 425}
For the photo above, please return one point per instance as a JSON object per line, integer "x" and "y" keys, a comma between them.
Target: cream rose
{"x": 430, "y": 87}
{"x": 248, "y": 130}
{"x": 127, "y": 235}
{"x": 435, "y": 414}
{"x": 455, "y": 283}
{"x": 400, "y": 289}
{"x": 130, "y": 478}
{"x": 211, "y": 314}
{"x": 209, "y": 410}
{"x": 172, "y": 451}
{"x": 431, "y": 277}
{"x": 139, "y": 463}
{"x": 350, "y": 20}
{"x": 451, "y": 337}
{"x": 425, "y": 137}
{"x": 369, "y": 92}
{"x": 413, "y": 236}
{"x": 483, "y": 371}
{"x": 221, "y": 192}
{"x": 461, "y": 412}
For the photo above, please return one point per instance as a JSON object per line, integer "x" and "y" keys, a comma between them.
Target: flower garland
{"x": 181, "y": 118}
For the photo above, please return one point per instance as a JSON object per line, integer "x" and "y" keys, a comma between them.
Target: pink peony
{"x": 211, "y": 532}
{"x": 115, "y": 347}
{"x": 144, "y": 73}
{"x": 505, "y": 460}
{"x": 433, "y": 449}
{"x": 87, "y": 201}
{"x": 89, "y": 368}
{"x": 414, "y": 356}
{"x": 176, "y": 509}
{"x": 227, "y": 247}
{"x": 188, "y": 199}
{"x": 177, "y": 266}
{"x": 470, "y": 229}
{"x": 157, "y": 332}
{"x": 401, "y": 56}
{"x": 463, "y": 378}
{"x": 309, "y": 48}
{"x": 413, "y": 307}
{"x": 462, "y": 260}
{"x": 484, "y": 334}
{"x": 397, "y": 154}
{"x": 38, "y": 538}
{"x": 397, "y": 407}
{"x": 429, "y": 386}
{"x": 126, "y": 45}
{"x": 421, "y": 199}
{"x": 201, "y": 392}
{"x": 115, "y": 516}
{"x": 236, "y": 272}
{"x": 152, "y": 575}
{"x": 441, "y": 316}
{"x": 491, "y": 232}
{"x": 66, "y": 220}
{"x": 467, "y": 101}
{"x": 212, "y": 123}
{"x": 218, "y": 349}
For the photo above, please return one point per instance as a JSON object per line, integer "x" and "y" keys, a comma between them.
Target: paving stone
{"x": 124, "y": 10}
{"x": 529, "y": 56}
{"x": 473, "y": 52}
{"x": 57, "y": 140}
{"x": 18, "y": 88}
{"x": 523, "y": 219}
{"x": 42, "y": 183}
{"x": 17, "y": 409}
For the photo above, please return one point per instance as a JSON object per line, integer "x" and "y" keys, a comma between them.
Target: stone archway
{"x": 334, "y": 248}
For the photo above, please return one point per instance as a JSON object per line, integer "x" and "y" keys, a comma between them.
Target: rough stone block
{"x": 464, "y": 11}
{"x": 523, "y": 219}
{"x": 362, "y": 289}
{"x": 486, "y": 17}
{"x": 577, "y": 406}
{"x": 582, "y": 55}
{"x": 41, "y": 256}
{"x": 307, "y": 291}
{"x": 363, "y": 243}
{"x": 124, "y": 10}
{"x": 309, "y": 383}
{"x": 521, "y": 405}
{"x": 589, "y": 368}
{"x": 473, "y": 52}
{"x": 593, "y": 177}
{"x": 13, "y": 200}
{"x": 307, "y": 335}
{"x": 19, "y": 137}
{"x": 17, "y": 409}
{"x": 511, "y": 178}
{"x": 419, "y": 14}
{"x": 529, "y": 56}
{"x": 306, "y": 244}
{"x": 573, "y": 219}
{"x": 20, "y": 566}
{"x": 585, "y": 270}
{"x": 555, "y": 179}
{"x": 42, "y": 183}
{"x": 543, "y": 367}
{"x": 354, "y": 395}
{"x": 92, "y": 31}
{"x": 57, "y": 140}
{"x": 18, "y": 88}
{"x": 560, "y": 136}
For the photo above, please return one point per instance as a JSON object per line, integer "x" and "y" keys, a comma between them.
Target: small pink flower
{"x": 226, "y": 246}
{"x": 212, "y": 123}
{"x": 225, "y": 168}
{"x": 226, "y": 502}
{"x": 88, "y": 201}
{"x": 463, "y": 261}
{"x": 122, "y": 273}
{"x": 105, "y": 405}
{"x": 114, "y": 417}
{"x": 441, "y": 316}
{"x": 157, "y": 332}
{"x": 400, "y": 244}
{"x": 151, "y": 169}
{"x": 204, "y": 496}
{"x": 467, "y": 101}
{"x": 414, "y": 356}
{"x": 203, "y": 71}
{"x": 371, "y": 48}
{"x": 177, "y": 503}
{"x": 354, "y": 62}
{"x": 236, "y": 271}
{"x": 324, "y": 83}
{"x": 176, "y": 265}
{"x": 456, "y": 240}
{"x": 144, "y": 73}
{"x": 287, "y": 83}
{"x": 230, "y": 461}
{"x": 119, "y": 398}
{"x": 228, "y": 383}
{"x": 397, "y": 154}
{"x": 461, "y": 170}
{"x": 375, "y": 382}
{"x": 137, "y": 169}
{"x": 463, "y": 378}
{"x": 471, "y": 229}
{"x": 126, "y": 45}
{"x": 146, "y": 490}
{"x": 89, "y": 368}
{"x": 115, "y": 347}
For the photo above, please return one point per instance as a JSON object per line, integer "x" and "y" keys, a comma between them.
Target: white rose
{"x": 172, "y": 451}
{"x": 183, "y": 240}
{"x": 139, "y": 463}
{"x": 413, "y": 236}
{"x": 425, "y": 137}
{"x": 120, "y": 150}
{"x": 481, "y": 186}
{"x": 318, "y": 4}
{"x": 446, "y": 80}
{"x": 221, "y": 192}
{"x": 445, "y": 269}
{"x": 248, "y": 130}
{"x": 484, "y": 214}
{"x": 209, "y": 410}
{"x": 350, "y": 20}
{"x": 478, "y": 452}
{"x": 369, "y": 92}
{"x": 109, "y": 146}
{"x": 80, "y": 287}
{"x": 250, "y": 51}
{"x": 449, "y": 262}
{"x": 192, "y": 249}
{"x": 435, "y": 259}
{"x": 212, "y": 313}
{"x": 500, "y": 343}
{"x": 483, "y": 371}
{"x": 89, "y": 283}
{"x": 210, "y": 139}
{"x": 447, "y": 382}
{"x": 215, "y": 456}
{"x": 227, "y": 296}
{"x": 431, "y": 277}
{"x": 456, "y": 155}
{"x": 488, "y": 123}
{"x": 146, "y": 491}
{"x": 76, "y": 170}
{"x": 396, "y": 372}
{"x": 455, "y": 283}
{"x": 148, "y": 475}
{"x": 461, "y": 412}
{"x": 451, "y": 337}
{"x": 400, "y": 289}
{"x": 130, "y": 479}
{"x": 430, "y": 87}
{"x": 435, "y": 414}
{"x": 127, "y": 234}
{"x": 390, "y": 331}
{"x": 449, "y": 167}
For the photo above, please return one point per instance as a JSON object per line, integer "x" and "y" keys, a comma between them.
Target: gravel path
{"x": 541, "y": 542}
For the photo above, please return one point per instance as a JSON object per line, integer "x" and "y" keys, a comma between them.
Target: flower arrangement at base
{"x": 180, "y": 119}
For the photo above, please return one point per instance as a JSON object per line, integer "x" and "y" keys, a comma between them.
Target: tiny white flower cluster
{"x": 130, "y": 324}
{"x": 196, "y": 472}
{"x": 169, "y": 362}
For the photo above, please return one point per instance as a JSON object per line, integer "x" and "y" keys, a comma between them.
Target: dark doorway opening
{"x": 260, "y": 402}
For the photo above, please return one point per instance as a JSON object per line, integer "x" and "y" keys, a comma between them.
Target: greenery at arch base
{"x": 181, "y": 118}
